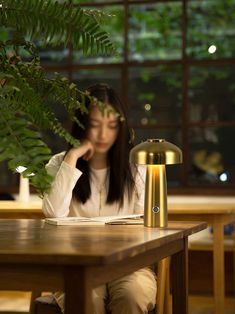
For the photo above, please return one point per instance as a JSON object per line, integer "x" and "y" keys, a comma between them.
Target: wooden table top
{"x": 30, "y": 241}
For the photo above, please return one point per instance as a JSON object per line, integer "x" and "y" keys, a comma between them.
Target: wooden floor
{"x": 19, "y": 302}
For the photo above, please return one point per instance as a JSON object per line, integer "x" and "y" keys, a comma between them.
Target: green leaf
{"x": 25, "y": 91}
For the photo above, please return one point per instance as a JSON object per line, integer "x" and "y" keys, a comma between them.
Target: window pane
{"x": 8, "y": 179}
{"x": 114, "y": 25}
{"x": 172, "y": 135}
{"x": 212, "y": 156}
{"x": 53, "y": 54}
{"x": 85, "y": 78}
{"x": 212, "y": 93}
{"x": 155, "y": 95}
{"x": 211, "y": 24}
{"x": 49, "y": 54}
{"x": 54, "y": 141}
{"x": 155, "y": 31}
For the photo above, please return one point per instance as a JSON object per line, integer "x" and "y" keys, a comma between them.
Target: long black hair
{"x": 121, "y": 176}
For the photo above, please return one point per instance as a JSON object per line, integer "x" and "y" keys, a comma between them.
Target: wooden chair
{"x": 47, "y": 305}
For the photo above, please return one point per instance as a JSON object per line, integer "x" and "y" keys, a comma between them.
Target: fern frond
{"x": 21, "y": 145}
{"x": 24, "y": 87}
{"x": 57, "y": 23}
{"x": 22, "y": 97}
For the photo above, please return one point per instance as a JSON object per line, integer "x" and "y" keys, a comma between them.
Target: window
{"x": 175, "y": 69}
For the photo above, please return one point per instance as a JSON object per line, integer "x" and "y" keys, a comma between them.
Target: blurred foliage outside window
{"x": 155, "y": 31}
{"x": 211, "y": 23}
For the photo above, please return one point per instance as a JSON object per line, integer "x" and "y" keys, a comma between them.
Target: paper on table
{"x": 100, "y": 220}
{"x": 126, "y": 221}
{"x": 72, "y": 221}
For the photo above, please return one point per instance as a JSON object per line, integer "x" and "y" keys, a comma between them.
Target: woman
{"x": 96, "y": 179}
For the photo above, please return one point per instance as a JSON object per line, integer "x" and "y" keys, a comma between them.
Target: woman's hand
{"x": 88, "y": 149}
{"x": 85, "y": 150}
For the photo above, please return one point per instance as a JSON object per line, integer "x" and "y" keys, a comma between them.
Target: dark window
{"x": 175, "y": 69}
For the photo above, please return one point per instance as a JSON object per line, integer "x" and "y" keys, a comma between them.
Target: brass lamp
{"x": 155, "y": 153}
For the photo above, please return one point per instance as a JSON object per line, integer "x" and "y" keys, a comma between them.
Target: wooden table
{"x": 15, "y": 209}
{"x": 216, "y": 211}
{"x": 37, "y": 256}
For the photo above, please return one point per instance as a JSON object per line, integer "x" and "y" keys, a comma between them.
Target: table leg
{"x": 78, "y": 291}
{"x": 162, "y": 276}
{"x": 34, "y": 294}
{"x": 167, "y": 289}
{"x": 218, "y": 265}
{"x": 233, "y": 237}
{"x": 179, "y": 271}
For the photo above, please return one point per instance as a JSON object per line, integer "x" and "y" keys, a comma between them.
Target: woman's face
{"x": 103, "y": 129}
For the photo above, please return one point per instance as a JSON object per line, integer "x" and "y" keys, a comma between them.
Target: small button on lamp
{"x": 155, "y": 153}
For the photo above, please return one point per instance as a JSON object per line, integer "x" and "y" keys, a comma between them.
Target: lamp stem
{"x": 155, "y": 209}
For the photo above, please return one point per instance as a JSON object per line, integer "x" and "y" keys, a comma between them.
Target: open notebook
{"x": 101, "y": 220}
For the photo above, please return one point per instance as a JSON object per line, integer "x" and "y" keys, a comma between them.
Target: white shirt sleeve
{"x": 57, "y": 201}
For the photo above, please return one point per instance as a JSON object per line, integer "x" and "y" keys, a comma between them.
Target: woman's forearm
{"x": 57, "y": 201}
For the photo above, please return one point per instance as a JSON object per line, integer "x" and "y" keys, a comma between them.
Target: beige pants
{"x": 132, "y": 294}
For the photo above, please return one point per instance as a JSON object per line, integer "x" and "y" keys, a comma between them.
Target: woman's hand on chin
{"x": 85, "y": 151}
{"x": 88, "y": 148}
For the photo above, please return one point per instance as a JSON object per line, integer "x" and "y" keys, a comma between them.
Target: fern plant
{"x": 25, "y": 90}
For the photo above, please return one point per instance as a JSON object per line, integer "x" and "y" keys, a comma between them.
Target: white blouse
{"x": 59, "y": 202}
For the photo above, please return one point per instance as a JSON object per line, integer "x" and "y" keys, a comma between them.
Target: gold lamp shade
{"x": 155, "y": 153}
